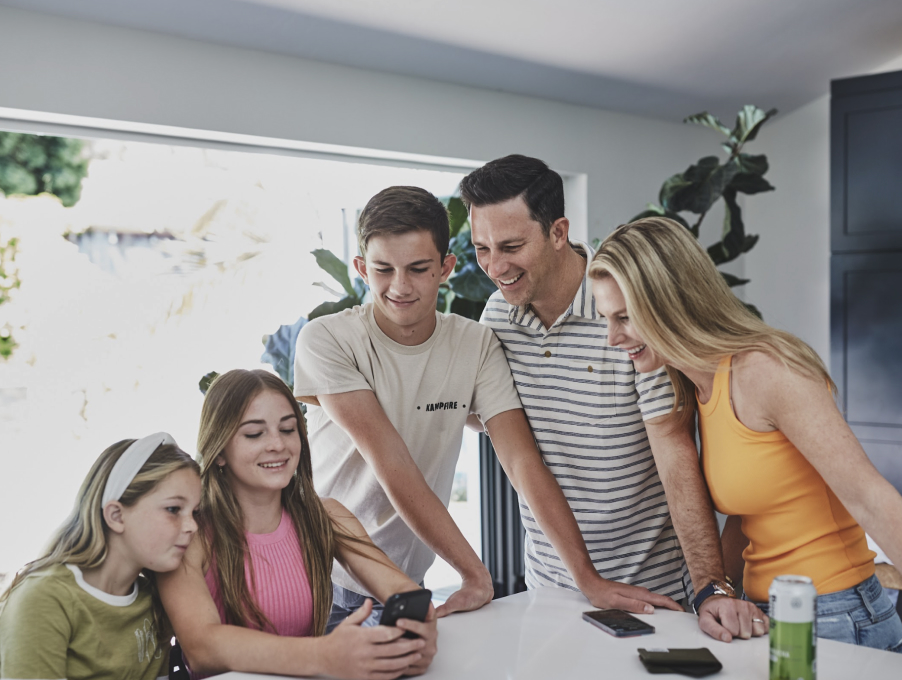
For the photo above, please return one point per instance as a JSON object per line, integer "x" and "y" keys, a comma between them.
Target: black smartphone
{"x": 618, "y": 623}
{"x": 413, "y": 604}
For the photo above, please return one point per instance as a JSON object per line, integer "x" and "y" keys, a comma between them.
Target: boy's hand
{"x": 474, "y": 593}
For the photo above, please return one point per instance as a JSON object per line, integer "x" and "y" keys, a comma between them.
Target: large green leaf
{"x": 204, "y": 383}
{"x": 334, "y": 267}
{"x": 706, "y": 119}
{"x": 656, "y": 211}
{"x": 733, "y": 227}
{"x": 327, "y": 308}
{"x": 756, "y": 165}
{"x": 733, "y": 280}
{"x": 709, "y": 179}
{"x": 471, "y": 309}
{"x": 457, "y": 214}
{"x": 749, "y": 122}
{"x": 472, "y": 283}
{"x": 671, "y": 187}
{"x": 748, "y": 183}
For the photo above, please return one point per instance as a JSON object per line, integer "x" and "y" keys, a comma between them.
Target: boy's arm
{"x": 361, "y": 416}
{"x": 517, "y": 452}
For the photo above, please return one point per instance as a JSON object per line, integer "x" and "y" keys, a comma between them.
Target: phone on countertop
{"x": 413, "y": 604}
{"x": 618, "y": 622}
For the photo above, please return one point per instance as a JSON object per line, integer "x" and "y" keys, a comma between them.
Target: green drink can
{"x": 793, "y": 628}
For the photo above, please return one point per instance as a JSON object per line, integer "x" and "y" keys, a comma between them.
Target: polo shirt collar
{"x": 583, "y": 304}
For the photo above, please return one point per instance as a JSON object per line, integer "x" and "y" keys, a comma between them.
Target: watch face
{"x": 722, "y": 588}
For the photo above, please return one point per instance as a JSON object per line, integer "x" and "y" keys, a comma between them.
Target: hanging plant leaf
{"x": 756, "y": 165}
{"x": 748, "y": 123}
{"x": 671, "y": 188}
{"x": 733, "y": 227}
{"x": 334, "y": 267}
{"x": 733, "y": 281}
{"x": 748, "y": 183}
{"x": 706, "y": 119}
{"x": 708, "y": 180}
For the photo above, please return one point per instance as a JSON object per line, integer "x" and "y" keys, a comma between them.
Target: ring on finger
{"x": 757, "y": 620}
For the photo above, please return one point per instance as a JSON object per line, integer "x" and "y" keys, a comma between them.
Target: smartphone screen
{"x": 413, "y": 604}
{"x": 618, "y": 623}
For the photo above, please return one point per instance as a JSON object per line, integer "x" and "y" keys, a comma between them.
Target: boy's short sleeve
{"x": 35, "y": 631}
{"x": 323, "y": 364}
{"x": 655, "y": 394}
{"x": 494, "y": 391}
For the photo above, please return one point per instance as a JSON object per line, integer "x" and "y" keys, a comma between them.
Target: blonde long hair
{"x": 684, "y": 310}
{"x": 221, "y": 518}
{"x": 81, "y": 539}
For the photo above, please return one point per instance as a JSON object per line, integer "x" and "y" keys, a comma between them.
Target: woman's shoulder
{"x": 769, "y": 378}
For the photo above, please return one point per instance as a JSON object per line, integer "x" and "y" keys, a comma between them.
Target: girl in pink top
{"x": 254, "y": 594}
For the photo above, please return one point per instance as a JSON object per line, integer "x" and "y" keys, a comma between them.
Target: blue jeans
{"x": 345, "y": 602}
{"x": 861, "y": 615}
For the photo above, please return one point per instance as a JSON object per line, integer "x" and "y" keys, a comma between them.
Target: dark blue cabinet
{"x": 866, "y": 262}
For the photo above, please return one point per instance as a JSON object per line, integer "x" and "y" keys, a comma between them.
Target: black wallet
{"x": 696, "y": 663}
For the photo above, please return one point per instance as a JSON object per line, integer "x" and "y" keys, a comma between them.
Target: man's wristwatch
{"x": 714, "y": 588}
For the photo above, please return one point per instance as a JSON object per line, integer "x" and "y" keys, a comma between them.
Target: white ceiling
{"x": 661, "y": 58}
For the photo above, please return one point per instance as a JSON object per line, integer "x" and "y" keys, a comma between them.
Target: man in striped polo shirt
{"x": 597, "y": 422}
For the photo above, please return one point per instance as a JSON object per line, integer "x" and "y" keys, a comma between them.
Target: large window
{"x": 176, "y": 261}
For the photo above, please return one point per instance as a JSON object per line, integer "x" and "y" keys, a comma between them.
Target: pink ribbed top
{"x": 282, "y": 589}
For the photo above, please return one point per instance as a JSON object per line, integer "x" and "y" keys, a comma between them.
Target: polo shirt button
{"x": 547, "y": 352}
{"x": 591, "y": 369}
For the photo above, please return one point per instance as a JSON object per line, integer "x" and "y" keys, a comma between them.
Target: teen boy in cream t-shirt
{"x": 391, "y": 384}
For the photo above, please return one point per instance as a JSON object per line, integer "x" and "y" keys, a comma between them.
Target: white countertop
{"x": 540, "y": 634}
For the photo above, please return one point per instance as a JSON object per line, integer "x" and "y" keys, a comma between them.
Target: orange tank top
{"x": 794, "y": 522}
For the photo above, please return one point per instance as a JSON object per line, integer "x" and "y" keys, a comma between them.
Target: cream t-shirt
{"x": 426, "y": 391}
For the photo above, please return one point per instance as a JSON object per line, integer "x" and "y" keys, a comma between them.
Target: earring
{"x": 221, "y": 469}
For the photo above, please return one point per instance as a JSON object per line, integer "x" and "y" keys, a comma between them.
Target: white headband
{"x": 130, "y": 464}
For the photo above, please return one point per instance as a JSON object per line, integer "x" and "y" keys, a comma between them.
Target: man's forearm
{"x": 733, "y": 542}
{"x": 690, "y": 503}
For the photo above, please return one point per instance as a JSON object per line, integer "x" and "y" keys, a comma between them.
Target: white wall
{"x": 80, "y": 68}
{"x": 790, "y": 266}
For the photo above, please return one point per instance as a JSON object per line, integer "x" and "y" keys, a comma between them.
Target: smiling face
{"x": 159, "y": 526}
{"x": 610, "y": 303}
{"x": 513, "y": 251}
{"x": 404, "y": 272}
{"x": 263, "y": 454}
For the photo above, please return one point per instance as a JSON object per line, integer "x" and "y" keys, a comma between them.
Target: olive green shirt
{"x": 54, "y": 625}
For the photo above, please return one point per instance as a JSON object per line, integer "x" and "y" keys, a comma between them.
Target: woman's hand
{"x": 428, "y": 631}
{"x": 376, "y": 653}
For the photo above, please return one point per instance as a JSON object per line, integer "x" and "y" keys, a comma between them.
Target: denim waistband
{"x": 865, "y": 593}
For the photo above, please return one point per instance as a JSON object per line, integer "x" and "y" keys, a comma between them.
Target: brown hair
{"x": 684, "y": 310}
{"x": 222, "y": 521}
{"x": 398, "y": 210}
{"x": 502, "y": 179}
{"x": 81, "y": 539}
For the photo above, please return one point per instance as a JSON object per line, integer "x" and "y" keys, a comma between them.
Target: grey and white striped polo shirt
{"x": 587, "y": 406}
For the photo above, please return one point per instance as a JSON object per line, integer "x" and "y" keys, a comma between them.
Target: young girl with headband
{"x": 254, "y": 593}
{"x": 87, "y": 607}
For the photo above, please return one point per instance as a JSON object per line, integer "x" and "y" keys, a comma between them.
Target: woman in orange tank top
{"x": 778, "y": 457}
